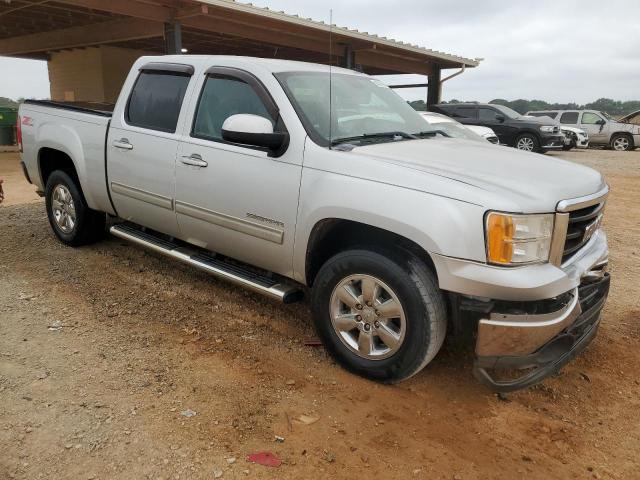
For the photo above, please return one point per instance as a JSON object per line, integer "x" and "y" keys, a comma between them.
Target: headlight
{"x": 518, "y": 239}
{"x": 547, "y": 128}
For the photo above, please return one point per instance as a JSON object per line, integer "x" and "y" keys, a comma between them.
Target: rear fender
{"x": 66, "y": 140}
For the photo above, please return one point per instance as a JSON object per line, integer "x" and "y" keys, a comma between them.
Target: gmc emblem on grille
{"x": 592, "y": 228}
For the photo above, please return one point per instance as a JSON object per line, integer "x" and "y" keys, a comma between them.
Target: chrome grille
{"x": 582, "y": 225}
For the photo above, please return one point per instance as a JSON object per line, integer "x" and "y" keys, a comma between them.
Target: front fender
{"x": 438, "y": 224}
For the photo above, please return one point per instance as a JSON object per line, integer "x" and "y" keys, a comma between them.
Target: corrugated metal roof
{"x": 344, "y": 31}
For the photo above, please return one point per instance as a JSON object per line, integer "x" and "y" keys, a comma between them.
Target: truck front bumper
{"x": 552, "y": 142}
{"x": 528, "y": 320}
{"x": 532, "y": 346}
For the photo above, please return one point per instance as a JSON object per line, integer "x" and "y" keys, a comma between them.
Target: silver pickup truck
{"x": 288, "y": 178}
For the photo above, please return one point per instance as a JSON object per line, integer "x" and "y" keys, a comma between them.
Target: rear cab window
{"x": 157, "y": 96}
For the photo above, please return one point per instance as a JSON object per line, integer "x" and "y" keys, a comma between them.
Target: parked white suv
{"x": 241, "y": 167}
{"x": 600, "y": 126}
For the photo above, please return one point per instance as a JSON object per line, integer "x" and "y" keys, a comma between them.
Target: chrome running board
{"x": 239, "y": 275}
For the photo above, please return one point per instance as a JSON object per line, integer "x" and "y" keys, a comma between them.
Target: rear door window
{"x": 569, "y": 118}
{"x": 467, "y": 112}
{"x": 156, "y": 100}
{"x": 489, "y": 115}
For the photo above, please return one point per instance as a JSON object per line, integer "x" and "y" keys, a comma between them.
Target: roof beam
{"x": 255, "y": 32}
{"x": 378, "y": 59}
{"x": 83, "y": 36}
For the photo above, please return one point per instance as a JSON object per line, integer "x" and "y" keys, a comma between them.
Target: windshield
{"x": 607, "y": 116}
{"x": 508, "y": 112}
{"x": 361, "y": 106}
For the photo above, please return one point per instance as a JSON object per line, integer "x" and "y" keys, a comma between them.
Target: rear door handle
{"x": 194, "y": 159}
{"x": 123, "y": 144}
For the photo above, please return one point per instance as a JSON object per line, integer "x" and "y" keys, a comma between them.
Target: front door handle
{"x": 123, "y": 144}
{"x": 194, "y": 159}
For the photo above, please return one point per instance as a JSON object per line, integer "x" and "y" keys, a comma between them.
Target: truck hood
{"x": 511, "y": 178}
{"x": 628, "y": 118}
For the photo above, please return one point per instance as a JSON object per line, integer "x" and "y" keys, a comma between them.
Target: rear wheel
{"x": 527, "y": 142}
{"x": 621, "y": 142}
{"x": 72, "y": 221}
{"x": 379, "y": 315}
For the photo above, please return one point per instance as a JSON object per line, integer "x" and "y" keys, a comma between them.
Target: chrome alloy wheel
{"x": 64, "y": 211}
{"x": 621, "y": 144}
{"x": 526, "y": 144}
{"x": 368, "y": 317}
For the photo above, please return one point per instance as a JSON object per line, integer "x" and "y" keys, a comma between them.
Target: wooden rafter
{"x": 86, "y": 35}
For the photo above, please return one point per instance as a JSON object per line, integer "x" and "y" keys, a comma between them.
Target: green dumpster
{"x": 8, "y": 117}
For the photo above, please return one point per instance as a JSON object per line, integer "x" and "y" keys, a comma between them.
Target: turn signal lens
{"x": 499, "y": 238}
{"x": 518, "y": 239}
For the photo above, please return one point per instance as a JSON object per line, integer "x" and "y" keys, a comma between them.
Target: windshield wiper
{"x": 432, "y": 133}
{"x": 367, "y": 136}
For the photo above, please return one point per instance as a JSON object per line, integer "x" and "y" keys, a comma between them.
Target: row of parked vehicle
{"x": 537, "y": 131}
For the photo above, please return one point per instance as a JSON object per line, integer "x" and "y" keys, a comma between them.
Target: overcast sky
{"x": 564, "y": 51}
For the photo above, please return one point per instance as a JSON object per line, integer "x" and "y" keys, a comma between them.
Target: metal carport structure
{"x": 121, "y": 30}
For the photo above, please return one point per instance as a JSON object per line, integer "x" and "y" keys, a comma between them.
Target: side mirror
{"x": 501, "y": 118}
{"x": 253, "y": 130}
{"x": 600, "y": 122}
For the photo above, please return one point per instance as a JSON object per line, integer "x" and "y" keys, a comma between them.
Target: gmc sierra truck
{"x": 291, "y": 178}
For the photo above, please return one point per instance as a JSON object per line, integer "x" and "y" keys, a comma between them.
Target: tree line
{"x": 612, "y": 107}
{"x": 7, "y": 102}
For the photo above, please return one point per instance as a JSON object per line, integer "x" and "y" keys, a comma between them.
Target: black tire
{"x": 621, "y": 142}
{"x": 89, "y": 225}
{"x": 528, "y": 139}
{"x": 415, "y": 287}
{"x": 571, "y": 146}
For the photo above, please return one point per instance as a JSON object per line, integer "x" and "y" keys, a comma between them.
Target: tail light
{"x": 19, "y": 132}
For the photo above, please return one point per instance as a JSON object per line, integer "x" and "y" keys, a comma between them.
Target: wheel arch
{"x": 629, "y": 135}
{"x": 529, "y": 131}
{"x": 52, "y": 159}
{"x": 330, "y": 236}
{"x": 61, "y": 146}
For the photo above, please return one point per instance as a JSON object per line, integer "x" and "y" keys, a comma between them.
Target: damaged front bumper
{"x": 522, "y": 343}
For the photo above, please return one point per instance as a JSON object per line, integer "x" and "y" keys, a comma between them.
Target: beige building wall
{"x": 76, "y": 75}
{"x": 93, "y": 74}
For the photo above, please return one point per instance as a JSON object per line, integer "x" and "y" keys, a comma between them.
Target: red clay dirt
{"x": 105, "y": 349}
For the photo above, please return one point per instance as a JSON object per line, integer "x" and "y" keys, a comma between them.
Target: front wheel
{"x": 379, "y": 315}
{"x": 621, "y": 142}
{"x": 71, "y": 219}
{"x": 571, "y": 146}
{"x": 527, "y": 143}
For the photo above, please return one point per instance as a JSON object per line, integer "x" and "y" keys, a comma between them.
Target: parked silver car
{"x": 601, "y": 127}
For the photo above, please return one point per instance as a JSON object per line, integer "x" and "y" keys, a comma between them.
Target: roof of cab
{"x": 270, "y": 64}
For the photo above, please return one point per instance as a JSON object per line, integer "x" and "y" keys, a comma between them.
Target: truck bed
{"x": 76, "y": 129}
{"x": 102, "y": 109}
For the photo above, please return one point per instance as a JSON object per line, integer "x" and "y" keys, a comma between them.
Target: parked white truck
{"x": 244, "y": 168}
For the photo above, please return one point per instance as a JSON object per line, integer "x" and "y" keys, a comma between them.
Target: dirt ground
{"x": 106, "y": 350}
